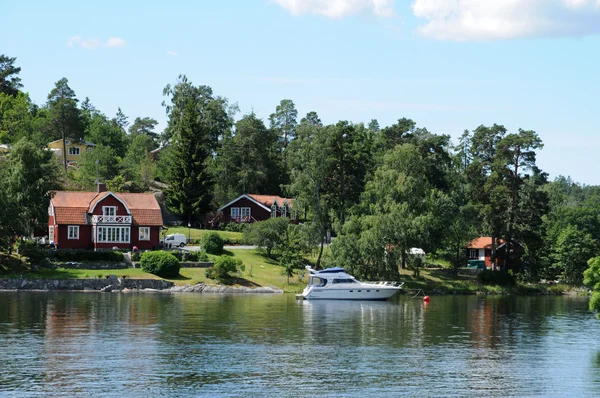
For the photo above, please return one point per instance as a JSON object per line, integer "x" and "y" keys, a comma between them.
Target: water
{"x": 87, "y": 344}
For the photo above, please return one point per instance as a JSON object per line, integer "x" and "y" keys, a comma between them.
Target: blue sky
{"x": 450, "y": 65}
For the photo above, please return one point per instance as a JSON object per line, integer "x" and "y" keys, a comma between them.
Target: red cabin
{"x": 251, "y": 208}
{"x": 103, "y": 220}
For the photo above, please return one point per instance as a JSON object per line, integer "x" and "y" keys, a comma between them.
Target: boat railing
{"x": 387, "y": 283}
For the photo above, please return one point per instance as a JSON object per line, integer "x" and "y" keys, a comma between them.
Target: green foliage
{"x": 30, "y": 177}
{"x": 224, "y": 267}
{"x": 212, "y": 243}
{"x": 160, "y": 263}
{"x": 269, "y": 235}
{"x": 100, "y": 164}
{"x": 145, "y": 126}
{"x": 196, "y": 122}
{"x": 10, "y": 82}
{"x": 572, "y": 251}
{"x": 500, "y": 278}
{"x": 86, "y": 255}
{"x": 106, "y": 132}
{"x": 36, "y": 255}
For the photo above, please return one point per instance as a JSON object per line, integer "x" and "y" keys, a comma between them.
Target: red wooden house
{"x": 103, "y": 220}
{"x": 481, "y": 249}
{"x": 249, "y": 208}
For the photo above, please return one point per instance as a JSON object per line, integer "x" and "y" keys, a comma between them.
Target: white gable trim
{"x": 247, "y": 197}
{"x": 104, "y": 197}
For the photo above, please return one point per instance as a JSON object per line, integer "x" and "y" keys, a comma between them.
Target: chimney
{"x": 101, "y": 187}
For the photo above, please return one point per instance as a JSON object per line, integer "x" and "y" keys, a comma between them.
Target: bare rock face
{"x": 204, "y": 288}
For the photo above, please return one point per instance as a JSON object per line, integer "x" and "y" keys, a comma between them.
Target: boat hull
{"x": 375, "y": 293}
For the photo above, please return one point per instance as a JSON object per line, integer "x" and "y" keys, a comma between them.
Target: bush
{"x": 236, "y": 227}
{"x": 203, "y": 257}
{"x": 192, "y": 256}
{"x": 35, "y": 255}
{"x": 160, "y": 263}
{"x": 224, "y": 267}
{"x": 83, "y": 255}
{"x": 500, "y": 278}
{"x": 269, "y": 234}
{"x": 135, "y": 256}
{"x": 212, "y": 243}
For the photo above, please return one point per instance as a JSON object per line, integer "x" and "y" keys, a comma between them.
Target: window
{"x": 274, "y": 211}
{"x": 245, "y": 212}
{"x": 113, "y": 234}
{"x": 473, "y": 253}
{"x": 293, "y": 215}
{"x": 73, "y": 231}
{"x": 51, "y": 234}
{"x": 109, "y": 210}
{"x": 144, "y": 233}
{"x": 74, "y": 150}
{"x": 235, "y": 212}
{"x": 284, "y": 211}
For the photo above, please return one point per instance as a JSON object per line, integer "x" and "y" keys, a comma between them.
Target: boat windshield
{"x": 316, "y": 281}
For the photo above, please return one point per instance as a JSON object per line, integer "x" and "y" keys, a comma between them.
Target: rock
{"x": 107, "y": 289}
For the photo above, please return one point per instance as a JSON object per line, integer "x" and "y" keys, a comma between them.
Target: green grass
{"x": 65, "y": 273}
{"x": 197, "y": 233}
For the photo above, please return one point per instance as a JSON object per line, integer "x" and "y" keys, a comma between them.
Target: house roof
{"x": 268, "y": 200}
{"x": 483, "y": 242}
{"x": 87, "y": 143}
{"x": 73, "y": 207}
{"x": 265, "y": 201}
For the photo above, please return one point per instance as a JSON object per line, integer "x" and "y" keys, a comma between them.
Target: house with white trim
{"x": 103, "y": 220}
{"x": 250, "y": 208}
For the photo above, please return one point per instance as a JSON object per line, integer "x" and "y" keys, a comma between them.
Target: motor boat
{"x": 337, "y": 284}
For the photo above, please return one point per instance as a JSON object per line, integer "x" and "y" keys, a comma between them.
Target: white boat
{"x": 337, "y": 284}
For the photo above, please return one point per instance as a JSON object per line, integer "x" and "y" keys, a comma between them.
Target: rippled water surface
{"x": 86, "y": 344}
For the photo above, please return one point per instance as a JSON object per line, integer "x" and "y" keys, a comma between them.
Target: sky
{"x": 450, "y": 65}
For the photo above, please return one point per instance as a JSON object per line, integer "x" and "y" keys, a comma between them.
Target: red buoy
{"x": 426, "y": 299}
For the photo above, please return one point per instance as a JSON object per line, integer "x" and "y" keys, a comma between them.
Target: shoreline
{"x": 123, "y": 285}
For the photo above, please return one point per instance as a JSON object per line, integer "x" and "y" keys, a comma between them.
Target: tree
{"x": 10, "y": 82}
{"x": 121, "y": 119}
{"x": 99, "y": 165}
{"x": 283, "y": 121}
{"x": 64, "y": 119}
{"x": 102, "y": 131}
{"x": 269, "y": 235}
{"x": 592, "y": 280}
{"x": 137, "y": 166}
{"x": 145, "y": 126}
{"x": 195, "y": 119}
{"x": 572, "y": 251}
{"x": 31, "y": 177}
{"x": 16, "y": 120}
{"x": 11, "y": 218}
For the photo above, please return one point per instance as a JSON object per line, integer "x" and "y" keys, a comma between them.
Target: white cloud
{"x": 93, "y": 43}
{"x": 172, "y": 53}
{"x": 486, "y": 20}
{"x": 115, "y": 42}
{"x": 337, "y": 9}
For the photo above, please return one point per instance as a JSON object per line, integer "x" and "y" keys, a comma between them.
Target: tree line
{"x": 379, "y": 190}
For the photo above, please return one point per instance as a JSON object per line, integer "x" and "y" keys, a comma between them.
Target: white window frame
{"x": 273, "y": 210}
{"x": 105, "y": 211}
{"x": 144, "y": 233}
{"x": 284, "y": 214}
{"x": 245, "y": 212}
{"x": 113, "y": 234}
{"x": 74, "y": 149}
{"x": 476, "y": 251}
{"x": 51, "y": 233}
{"x": 237, "y": 213}
{"x": 73, "y": 232}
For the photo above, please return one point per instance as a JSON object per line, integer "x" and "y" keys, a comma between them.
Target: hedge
{"x": 83, "y": 255}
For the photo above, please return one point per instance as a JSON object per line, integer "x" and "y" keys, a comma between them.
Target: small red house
{"x": 251, "y": 208}
{"x": 102, "y": 220}
{"x": 481, "y": 249}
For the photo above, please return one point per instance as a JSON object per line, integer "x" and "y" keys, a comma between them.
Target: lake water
{"x": 89, "y": 344}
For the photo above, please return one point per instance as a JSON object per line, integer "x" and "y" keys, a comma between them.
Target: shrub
{"x": 35, "y": 255}
{"x": 224, "y": 267}
{"x": 236, "y": 227}
{"x": 192, "y": 256}
{"x": 212, "y": 243}
{"x": 84, "y": 255}
{"x": 160, "y": 263}
{"x": 500, "y": 278}
{"x": 269, "y": 234}
{"x": 135, "y": 256}
{"x": 203, "y": 257}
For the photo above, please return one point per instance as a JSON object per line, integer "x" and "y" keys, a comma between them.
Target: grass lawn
{"x": 197, "y": 233}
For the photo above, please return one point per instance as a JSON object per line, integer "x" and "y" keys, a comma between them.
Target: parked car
{"x": 175, "y": 240}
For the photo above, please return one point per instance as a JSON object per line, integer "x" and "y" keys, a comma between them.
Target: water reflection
{"x": 142, "y": 344}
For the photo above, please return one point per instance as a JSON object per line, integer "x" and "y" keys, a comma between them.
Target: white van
{"x": 175, "y": 240}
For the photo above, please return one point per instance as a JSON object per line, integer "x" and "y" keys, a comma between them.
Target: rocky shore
{"x": 114, "y": 284}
